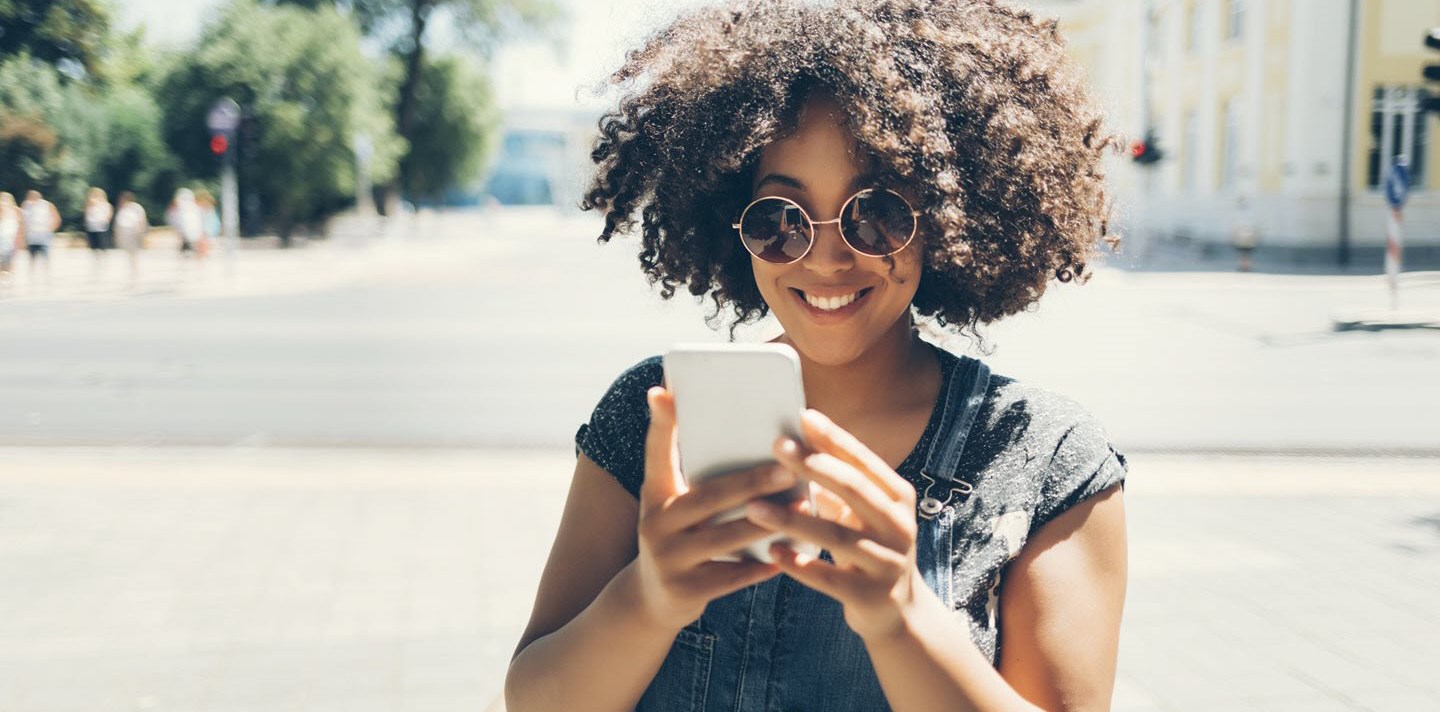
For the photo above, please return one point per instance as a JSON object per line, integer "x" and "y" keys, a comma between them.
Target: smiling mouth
{"x": 832, "y": 305}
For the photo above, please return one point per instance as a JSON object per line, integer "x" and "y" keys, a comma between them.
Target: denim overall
{"x": 778, "y": 645}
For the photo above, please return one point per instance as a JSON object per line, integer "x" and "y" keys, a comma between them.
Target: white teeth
{"x": 830, "y": 303}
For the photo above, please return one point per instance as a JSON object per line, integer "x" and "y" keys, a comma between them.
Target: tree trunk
{"x": 414, "y": 62}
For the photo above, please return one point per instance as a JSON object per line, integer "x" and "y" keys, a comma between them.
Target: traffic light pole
{"x": 222, "y": 120}
{"x": 230, "y": 211}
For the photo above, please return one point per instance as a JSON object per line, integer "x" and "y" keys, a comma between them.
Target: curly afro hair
{"x": 971, "y": 105}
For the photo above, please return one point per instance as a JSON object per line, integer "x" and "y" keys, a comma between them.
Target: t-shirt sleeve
{"x": 614, "y": 437}
{"x": 1085, "y": 463}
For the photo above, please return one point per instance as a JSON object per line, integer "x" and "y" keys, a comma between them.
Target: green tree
{"x": 306, "y": 89}
{"x": 456, "y": 124}
{"x": 63, "y": 33}
{"x": 61, "y": 137}
{"x": 402, "y": 25}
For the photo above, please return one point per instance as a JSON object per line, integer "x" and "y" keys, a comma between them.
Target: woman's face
{"x": 817, "y": 167}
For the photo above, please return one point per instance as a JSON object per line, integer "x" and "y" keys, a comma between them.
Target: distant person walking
{"x": 40, "y": 220}
{"x": 184, "y": 215}
{"x": 98, "y": 213}
{"x": 129, "y": 230}
{"x": 209, "y": 220}
{"x": 10, "y": 237}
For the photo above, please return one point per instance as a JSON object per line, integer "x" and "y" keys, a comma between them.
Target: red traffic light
{"x": 219, "y": 144}
{"x": 1146, "y": 150}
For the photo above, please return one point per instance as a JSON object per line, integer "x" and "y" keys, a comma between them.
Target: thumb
{"x": 662, "y": 453}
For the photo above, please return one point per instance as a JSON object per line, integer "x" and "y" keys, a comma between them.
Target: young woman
{"x": 131, "y": 224}
{"x": 849, "y": 167}
{"x": 98, "y": 212}
{"x": 189, "y": 222}
{"x": 40, "y": 219}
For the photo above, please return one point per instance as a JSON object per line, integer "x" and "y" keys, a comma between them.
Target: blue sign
{"x": 1397, "y": 183}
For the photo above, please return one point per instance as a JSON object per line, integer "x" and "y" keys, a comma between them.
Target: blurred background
{"x": 297, "y": 436}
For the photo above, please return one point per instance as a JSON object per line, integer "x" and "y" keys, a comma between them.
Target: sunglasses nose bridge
{"x": 843, "y": 251}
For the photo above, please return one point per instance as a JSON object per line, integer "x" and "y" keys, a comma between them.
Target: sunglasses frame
{"x": 914, "y": 224}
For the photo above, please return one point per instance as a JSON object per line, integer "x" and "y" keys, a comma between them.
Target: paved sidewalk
{"x": 257, "y": 579}
{"x": 357, "y": 250}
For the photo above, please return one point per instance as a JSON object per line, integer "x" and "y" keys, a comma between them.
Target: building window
{"x": 1231, "y": 157}
{"x": 1191, "y": 148}
{"x": 1235, "y": 27}
{"x": 1397, "y": 127}
{"x": 1192, "y": 29}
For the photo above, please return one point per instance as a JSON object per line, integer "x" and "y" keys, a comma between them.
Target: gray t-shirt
{"x": 1031, "y": 455}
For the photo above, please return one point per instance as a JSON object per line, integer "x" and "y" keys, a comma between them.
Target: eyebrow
{"x": 796, "y": 183}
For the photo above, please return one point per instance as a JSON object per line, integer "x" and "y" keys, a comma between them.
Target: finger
{"x": 875, "y": 510}
{"x": 842, "y": 542}
{"x": 708, "y": 541}
{"x": 824, "y": 435}
{"x": 830, "y": 505}
{"x": 662, "y": 454}
{"x": 717, "y": 578}
{"x": 715, "y": 495}
{"x": 812, "y": 571}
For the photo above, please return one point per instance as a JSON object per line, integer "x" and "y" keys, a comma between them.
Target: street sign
{"x": 224, "y": 116}
{"x": 1397, "y": 183}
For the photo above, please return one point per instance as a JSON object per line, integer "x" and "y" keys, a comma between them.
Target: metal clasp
{"x": 929, "y": 505}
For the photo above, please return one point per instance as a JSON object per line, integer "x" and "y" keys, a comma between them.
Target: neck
{"x": 891, "y": 374}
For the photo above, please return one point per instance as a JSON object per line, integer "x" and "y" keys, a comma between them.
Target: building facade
{"x": 1279, "y": 115}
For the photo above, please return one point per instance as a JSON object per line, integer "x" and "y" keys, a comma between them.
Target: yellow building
{"x": 1279, "y": 114}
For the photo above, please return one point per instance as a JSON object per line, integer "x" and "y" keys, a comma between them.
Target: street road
{"x": 505, "y": 330}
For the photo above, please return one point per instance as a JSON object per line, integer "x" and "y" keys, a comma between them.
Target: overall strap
{"x": 969, "y": 381}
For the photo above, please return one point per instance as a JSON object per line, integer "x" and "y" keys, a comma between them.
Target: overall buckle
{"x": 930, "y": 505}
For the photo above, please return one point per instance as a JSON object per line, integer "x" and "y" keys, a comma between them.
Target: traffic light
{"x": 219, "y": 144}
{"x": 1146, "y": 151}
{"x": 1429, "y": 100}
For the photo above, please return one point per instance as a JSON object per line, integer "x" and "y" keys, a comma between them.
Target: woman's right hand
{"x": 676, "y": 576}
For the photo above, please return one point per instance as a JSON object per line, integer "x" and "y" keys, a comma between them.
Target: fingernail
{"x": 788, "y": 447}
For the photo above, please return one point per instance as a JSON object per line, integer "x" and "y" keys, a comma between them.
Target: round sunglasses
{"x": 873, "y": 222}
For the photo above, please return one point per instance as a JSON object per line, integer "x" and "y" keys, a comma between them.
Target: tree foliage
{"x": 66, "y": 34}
{"x": 456, "y": 124}
{"x": 444, "y": 148}
{"x": 60, "y": 137}
{"x": 305, "y": 88}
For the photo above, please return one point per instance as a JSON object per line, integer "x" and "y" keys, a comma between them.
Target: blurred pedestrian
{"x": 10, "y": 238}
{"x": 184, "y": 215}
{"x": 209, "y": 220}
{"x": 98, "y": 213}
{"x": 1242, "y": 234}
{"x": 129, "y": 230}
{"x": 40, "y": 220}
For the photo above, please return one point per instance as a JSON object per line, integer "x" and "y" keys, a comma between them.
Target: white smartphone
{"x": 731, "y": 402}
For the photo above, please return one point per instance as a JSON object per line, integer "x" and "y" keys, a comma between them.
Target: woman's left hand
{"x": 866, "y": 520}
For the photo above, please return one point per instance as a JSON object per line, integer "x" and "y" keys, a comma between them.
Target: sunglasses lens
{"x": 877, "y": 222}
{"x": 775, "y": 230}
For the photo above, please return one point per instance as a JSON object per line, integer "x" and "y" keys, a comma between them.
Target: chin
{"x": 829, "y": 354}
{"x": 832, "y": 347}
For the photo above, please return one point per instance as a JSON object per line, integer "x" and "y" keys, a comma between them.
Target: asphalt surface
{"x": 503, "y": 332}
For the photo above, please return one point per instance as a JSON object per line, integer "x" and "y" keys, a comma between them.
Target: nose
{"x": 830, "y": 254}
